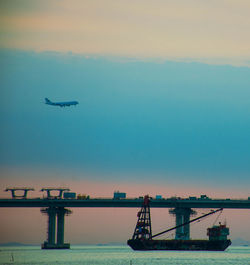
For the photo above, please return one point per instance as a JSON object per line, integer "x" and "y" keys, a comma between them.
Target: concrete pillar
{"x": 13, "y": 194}
{"x": 182, "y": 215}
{"x": 51, "y": 225}
{"x": 60, "y": 194}
{"x": 60, "y": 225}
{"x": 25, "y": 194}
{"x": 52, "y": 212}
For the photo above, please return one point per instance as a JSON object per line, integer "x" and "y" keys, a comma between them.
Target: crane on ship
{"x": 142, "y": 238}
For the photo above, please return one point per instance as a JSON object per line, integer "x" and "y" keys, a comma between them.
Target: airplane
{"x": 61, "y": 104}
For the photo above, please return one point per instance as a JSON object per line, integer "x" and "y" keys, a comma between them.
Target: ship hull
{"x": 188, "y": 245}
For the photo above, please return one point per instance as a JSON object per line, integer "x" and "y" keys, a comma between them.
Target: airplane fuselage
{"x": 61, "y": 104}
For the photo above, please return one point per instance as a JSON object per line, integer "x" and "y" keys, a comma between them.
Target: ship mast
{"x": 143, "y": 227}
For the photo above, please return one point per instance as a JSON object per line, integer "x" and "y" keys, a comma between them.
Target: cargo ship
{"x": 143, "y": 239}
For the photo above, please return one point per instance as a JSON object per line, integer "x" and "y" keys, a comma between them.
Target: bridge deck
{"x": 128, "y": 203}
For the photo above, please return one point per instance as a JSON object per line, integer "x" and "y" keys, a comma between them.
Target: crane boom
{"x": 193, "y": 220}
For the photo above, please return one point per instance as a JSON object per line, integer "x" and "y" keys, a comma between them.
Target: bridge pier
{"x": 182, "y": 215}
{"x": 15, "y": 196}
{"x": 52, "y": 213}
{"x": 60, "y": 227}
{"x": 59, "y": 194}
{"x": 51, "y": 225}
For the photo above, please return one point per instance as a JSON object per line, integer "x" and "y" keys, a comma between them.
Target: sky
{"x": 207, "y": 31}
{"x": 164, "y": 97}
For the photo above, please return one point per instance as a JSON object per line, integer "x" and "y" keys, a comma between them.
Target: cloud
{"x": 147, "y": 29}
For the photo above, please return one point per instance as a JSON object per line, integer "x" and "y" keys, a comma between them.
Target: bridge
{"x": 56, "y": 208}
{"x": 128, "y": 203}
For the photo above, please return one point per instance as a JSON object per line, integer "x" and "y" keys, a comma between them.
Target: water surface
{"x": 121, "y": 255}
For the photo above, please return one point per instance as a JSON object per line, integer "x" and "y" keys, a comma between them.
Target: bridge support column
{"x": 182, "y": 215}
{"x": 61, "y": 211}
{"x": 60, "y": 226}
{"x": 51, "y": 225}
{"x": 52, "y": 212}
{"x": 15, "y": 196}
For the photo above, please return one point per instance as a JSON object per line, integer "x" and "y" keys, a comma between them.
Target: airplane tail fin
{"x": 47, "y": 100}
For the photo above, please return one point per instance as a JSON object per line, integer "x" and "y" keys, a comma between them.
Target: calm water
{"x": 122, "y": 255}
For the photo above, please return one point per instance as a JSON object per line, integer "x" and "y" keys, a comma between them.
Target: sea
{"x": 121, "y": 255}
